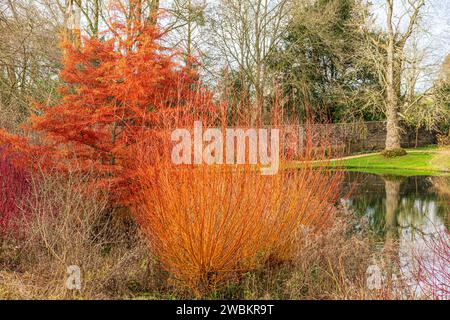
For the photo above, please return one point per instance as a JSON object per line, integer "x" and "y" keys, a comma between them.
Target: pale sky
{"x": 433, "y": 37}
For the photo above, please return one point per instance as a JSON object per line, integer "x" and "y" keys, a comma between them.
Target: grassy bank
{"x": 424, "y": 161}
{"x": 416, "y": 162}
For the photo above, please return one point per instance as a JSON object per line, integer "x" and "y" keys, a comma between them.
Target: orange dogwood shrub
{"x": 206, "y": 223}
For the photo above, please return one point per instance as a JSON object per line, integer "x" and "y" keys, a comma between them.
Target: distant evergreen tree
{"x": 320, "y": 63}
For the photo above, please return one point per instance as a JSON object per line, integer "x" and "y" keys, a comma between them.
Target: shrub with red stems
{"x": 433, "y": 269}
{"x": 14, "y": 187}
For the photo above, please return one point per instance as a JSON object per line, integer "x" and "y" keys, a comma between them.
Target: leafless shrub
{"x": 66, "y": 227}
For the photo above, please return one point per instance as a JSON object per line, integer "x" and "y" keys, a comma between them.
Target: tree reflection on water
{"x": 413, "y": 213}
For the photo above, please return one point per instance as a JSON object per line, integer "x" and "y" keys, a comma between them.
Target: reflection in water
{"x": 413, "y": 211}
{"x": 392, "y": 188}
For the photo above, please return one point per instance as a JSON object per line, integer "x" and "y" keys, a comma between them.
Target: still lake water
{"x": 414, "y": 211}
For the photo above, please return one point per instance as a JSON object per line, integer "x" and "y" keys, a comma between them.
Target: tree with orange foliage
{"x": 116, "y": 89}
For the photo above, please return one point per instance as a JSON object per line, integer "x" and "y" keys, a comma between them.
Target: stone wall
{"x": 372, "y": 136}
{"x": 350, "y": 138}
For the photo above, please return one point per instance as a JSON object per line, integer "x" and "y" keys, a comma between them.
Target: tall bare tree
{"x": 73, "y": 21}
{"x": 29, "y": 57}
{"x": 186, "y": 27}
{"x": 392, "y": 45}
{"x": 245, "y": 33}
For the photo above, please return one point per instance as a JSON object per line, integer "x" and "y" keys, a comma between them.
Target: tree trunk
{"x": 96, "y": 23}
{"x": 153, "y": 15}
{"x": 392, "y": 129}
{"x": 417, "y": 137}
{"x": 73, "y": 22}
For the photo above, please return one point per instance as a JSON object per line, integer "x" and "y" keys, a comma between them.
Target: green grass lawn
{"x": 416, "y": 162}
{"x": 423, "y": 161}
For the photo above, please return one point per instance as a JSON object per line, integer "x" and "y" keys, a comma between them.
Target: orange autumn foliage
{"x": 117, "y": 88}
{"x": 26, "y": 155}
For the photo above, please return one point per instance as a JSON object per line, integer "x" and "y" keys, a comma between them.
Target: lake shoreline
{"x": 429, "y": 161}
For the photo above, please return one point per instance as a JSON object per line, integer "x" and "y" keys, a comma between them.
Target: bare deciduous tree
{"x": 392, "y": 45}
{"x": 245, "y": 33}
{"x": 29, "y": 57}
